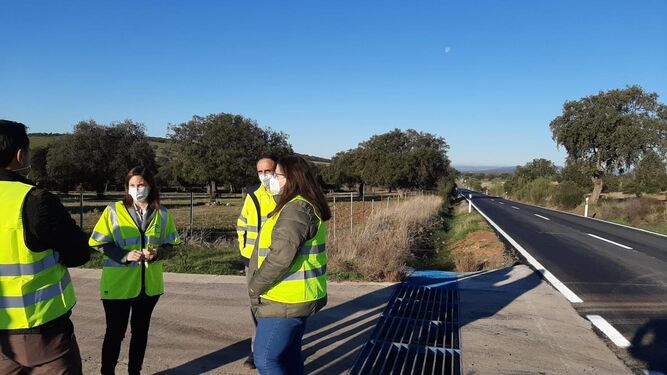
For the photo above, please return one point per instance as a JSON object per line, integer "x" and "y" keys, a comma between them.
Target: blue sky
{"x": 488, "y": 76}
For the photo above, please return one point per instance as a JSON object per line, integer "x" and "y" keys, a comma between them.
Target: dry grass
{"x": 379, "y": 248}
{"x": 645, "y": 213}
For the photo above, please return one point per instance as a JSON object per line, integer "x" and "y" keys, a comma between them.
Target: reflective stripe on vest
{"x": 248, "y": 228}
{"x": 30, "y": 268}
{"x": 306, "y": 279}
{"x": 41, "y": 295}
{"x": 34, "y": 287}
{"x": 116, "y": 226}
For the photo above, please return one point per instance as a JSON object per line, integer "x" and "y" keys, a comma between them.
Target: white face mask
{"x": 265, "y": 179}
{"x": 274, "y": 185}
{"x": 139, "y": 194}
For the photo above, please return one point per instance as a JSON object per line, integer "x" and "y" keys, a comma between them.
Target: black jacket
{"x": 48, "y": 225}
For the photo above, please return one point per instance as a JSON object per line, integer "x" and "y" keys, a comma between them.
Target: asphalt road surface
{"x": 620, "y": 273}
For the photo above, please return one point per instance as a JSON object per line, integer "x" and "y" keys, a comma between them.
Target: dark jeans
{"x": 117, "y": 314}
{"x": 278, "y": 346}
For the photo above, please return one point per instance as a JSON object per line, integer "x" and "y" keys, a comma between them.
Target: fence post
{"x": 363, "y": 200}
{"x": 334, "y": 220}
{"x": 372, "y": 206}
{"x": 81, "y": 208}
{"x": 586, "y": 208}
{"x": 192, "y": 210}
{"x": 351, "y": 208}
{"x": 388, "y": 199}
{"x": 469, "y": 203}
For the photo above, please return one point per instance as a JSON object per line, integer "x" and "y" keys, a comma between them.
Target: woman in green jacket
{"x": 132, "y": 233}
{"x": 288, "y": 265}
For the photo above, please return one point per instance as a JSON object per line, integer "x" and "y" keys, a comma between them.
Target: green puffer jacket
{"x": 296, "y": 224}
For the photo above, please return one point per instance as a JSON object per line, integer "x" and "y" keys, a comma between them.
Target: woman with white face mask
{"x": 131, "y": 234}
{"x": 288, "y": 267}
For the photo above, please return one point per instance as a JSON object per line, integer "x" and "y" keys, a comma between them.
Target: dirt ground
{"x": 480, "y": 250}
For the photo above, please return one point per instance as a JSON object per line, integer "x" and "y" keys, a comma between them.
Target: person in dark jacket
{"x": 288, "y": 267}
{"x": 38, "y": 241}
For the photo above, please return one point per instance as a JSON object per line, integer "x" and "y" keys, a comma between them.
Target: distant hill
{"x": 39, "y": 140}
{"x": 159, "y": 144}
{"x": 315, "y": 159}
{"x": 484, "y": 169}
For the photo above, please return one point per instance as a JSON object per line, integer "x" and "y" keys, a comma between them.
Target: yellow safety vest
{"x": 249, "y": 224}
{"x": 306, "y": 279}
{"x": 116, "y": 226}
{"x": 34, "y": 287}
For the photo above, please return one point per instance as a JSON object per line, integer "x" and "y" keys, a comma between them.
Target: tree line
{"x": 220, "y": 150}
{"x": 615, "y": 141}
{"x": 614, "y": 132}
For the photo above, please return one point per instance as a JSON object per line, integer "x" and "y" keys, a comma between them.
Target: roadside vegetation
{"x": 216, "y": 154}
{"x": 625, "y": 199}
{"x": 379, "y": 249}
{"x": 385, "y": 236}
{"x": 616, "y": 143}
{"x": 463, "y": 242}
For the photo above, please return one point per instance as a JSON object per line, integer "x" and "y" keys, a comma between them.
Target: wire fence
{"x": 195, "y": 212}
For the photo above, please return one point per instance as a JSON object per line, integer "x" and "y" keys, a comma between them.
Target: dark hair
{"x": 13, "y": 137}
{"x": 301, "y": 181}
{"x": 154, "y": 193}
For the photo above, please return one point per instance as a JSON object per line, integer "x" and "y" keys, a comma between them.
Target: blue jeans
{"x": 278, "y": 346}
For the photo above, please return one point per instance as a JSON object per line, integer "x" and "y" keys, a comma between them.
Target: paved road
{"x": 512, "y": 322}
{"x": 619, "y": 273}
{"x": 201, "y": 325}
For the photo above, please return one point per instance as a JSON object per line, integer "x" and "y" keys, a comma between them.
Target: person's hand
{"x": 149, "y": 254}
{"x": 135, "y": 256}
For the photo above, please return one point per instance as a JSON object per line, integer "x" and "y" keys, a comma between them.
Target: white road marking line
{"x": 515, "y": 207}
{"x": 600, "y": 220}
{"x": 501, "y": 202}
{"x": 540, "y": 216}
{"x": 537, "y": 266}
{"x": 610, "y": 241}
{"x": 609, "y": 331}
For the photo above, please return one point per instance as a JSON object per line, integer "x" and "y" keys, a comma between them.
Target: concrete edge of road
{"x": 590, "y": 218}
{"x": 599, "y": 322}
{"x": 197, "y": 278}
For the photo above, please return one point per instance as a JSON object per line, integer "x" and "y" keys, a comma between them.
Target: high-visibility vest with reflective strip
{"x": 116, "y": 226}
{"x": 249, "y": 224}
{"x": 306, "y": 279}
{"x": 34, "y": 288}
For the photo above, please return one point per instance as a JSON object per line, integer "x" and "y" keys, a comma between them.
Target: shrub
{"x": 497, "y": 189}
{"x": 538, "y": 190}
{"x": 567, "y": 194}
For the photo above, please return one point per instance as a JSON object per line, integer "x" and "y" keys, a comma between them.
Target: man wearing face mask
{"x": 38, "y": 241}
{"x": 258, "y": 202}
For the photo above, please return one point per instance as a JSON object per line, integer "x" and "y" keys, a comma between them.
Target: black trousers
{"x": 117, "y": 314}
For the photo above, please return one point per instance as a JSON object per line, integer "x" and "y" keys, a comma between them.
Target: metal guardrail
{"x": 418, "y": 333}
